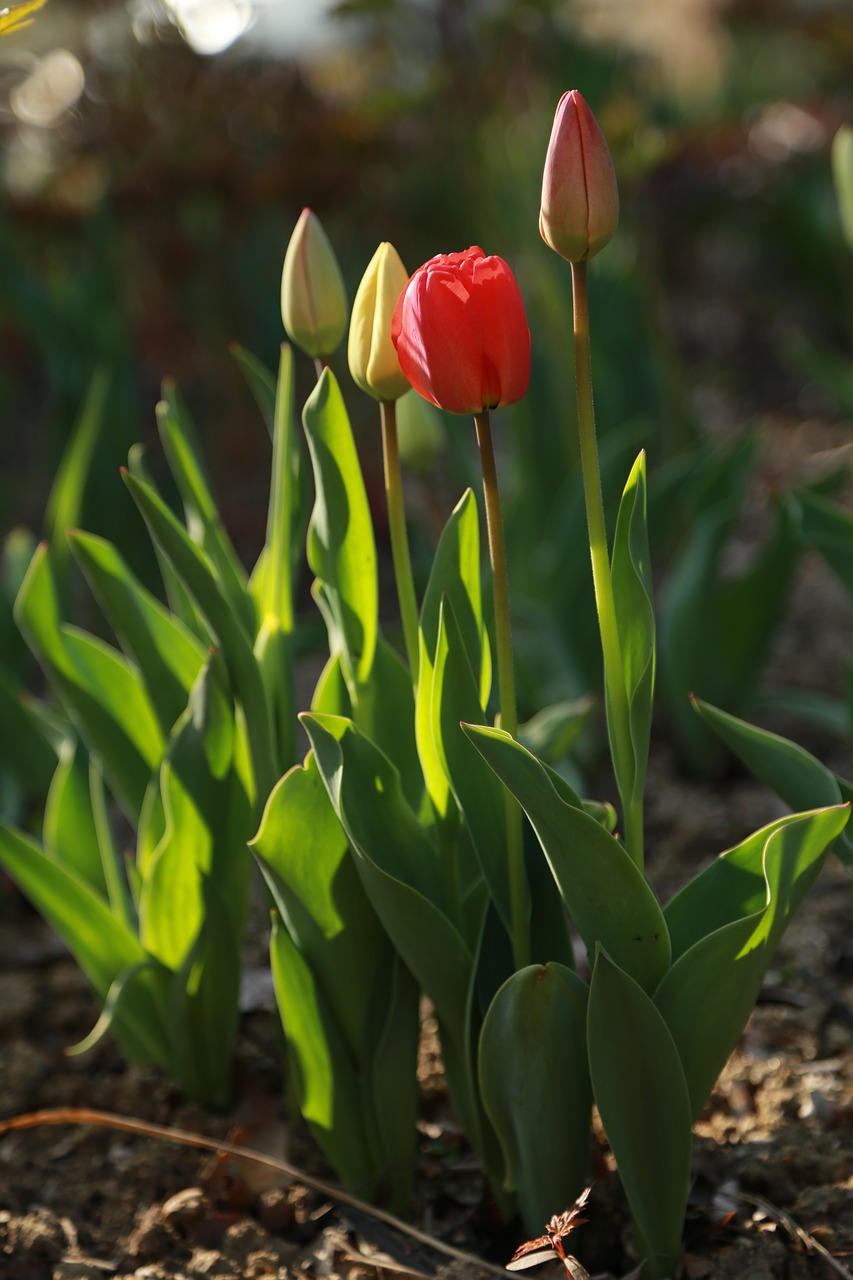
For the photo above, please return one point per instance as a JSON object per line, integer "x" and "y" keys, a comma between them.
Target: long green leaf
{"x": 475, "y": 787}
{"x": 69, "y": 831}
{"x": 635, "y": 621}
{"x": 791, "y": 771}
{"x": 708, "y": 994}
{"x": 341, "y": 548}
{"x": 101, "y": 944}
{"x": 260, "y": 380}
{"x": 166, "y": 652}
{"x": 204, "y": 1004}
{"x": 207, "y": 817}
{"x": 605, "y": 892}
{"x": 305, "y": 858}
{"x": 392, "y": 1093}
{"x": 184, "y": 455}
{"x": 102, "y": 691}
{"x": 642, "y": 1097}
{"x": 65, "y": 504}
{"x": 396, "y": 862}
{"x": 534, "y": 1078}
{"x": 195, "y": 571}
{"x": 455, "y": 575}
{"x": 326, "y": 1079}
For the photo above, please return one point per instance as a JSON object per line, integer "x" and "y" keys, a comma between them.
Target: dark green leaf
{"x": 604, "y": 891}
{"x": 642, "y": 1097}
{"x": 534, "y": 1078}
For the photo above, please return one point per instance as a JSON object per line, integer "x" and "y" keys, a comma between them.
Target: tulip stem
{"x": 618, "y": 716}
{"x": 399, "y": 536}
{"x": 506, "y": 686}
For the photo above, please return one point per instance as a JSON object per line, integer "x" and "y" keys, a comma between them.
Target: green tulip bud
{"x": 372, "y": 356}
{"x": 313, "y": 297}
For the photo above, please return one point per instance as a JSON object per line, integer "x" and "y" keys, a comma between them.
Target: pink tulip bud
{"x": 580, "y": 199}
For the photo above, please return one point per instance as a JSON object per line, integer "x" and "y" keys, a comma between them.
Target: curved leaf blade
{"x": 534, "y": 1079}
{"x": 605, "y": 892}
{"x": 642, "y": 1097}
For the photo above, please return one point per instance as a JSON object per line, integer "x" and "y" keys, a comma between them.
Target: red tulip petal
{"x": 506, "y": 337}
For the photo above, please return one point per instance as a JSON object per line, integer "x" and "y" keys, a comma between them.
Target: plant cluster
{"x": 422, "y": 845}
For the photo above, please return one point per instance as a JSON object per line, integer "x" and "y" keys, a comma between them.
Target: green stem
{"x": 506, "y": 686}
{"x": 399, "y": 537}
{"x": 618, "y": 719}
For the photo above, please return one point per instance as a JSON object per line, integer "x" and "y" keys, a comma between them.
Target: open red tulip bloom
{"x": 461, "y": 333}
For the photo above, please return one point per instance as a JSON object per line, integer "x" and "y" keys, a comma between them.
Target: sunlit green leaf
{"x": 737, "y": 910}
{"x": 635, "y": 620}
{"x": 341, "y": 548}
{"x": 168, "y": 655}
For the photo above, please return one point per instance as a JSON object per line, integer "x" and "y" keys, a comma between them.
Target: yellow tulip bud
{"x": 372, "y": 356}
{"x": 313, "y": 297}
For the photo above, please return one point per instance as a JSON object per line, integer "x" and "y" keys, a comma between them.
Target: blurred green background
{"x": 157, "y": 153}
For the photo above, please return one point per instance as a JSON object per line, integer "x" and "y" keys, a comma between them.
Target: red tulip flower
{"x": 461, "y": 333}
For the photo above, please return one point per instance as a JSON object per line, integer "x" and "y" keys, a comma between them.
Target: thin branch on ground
{"x": 165, "y": 1133}
{"x": 793, "y": 1228}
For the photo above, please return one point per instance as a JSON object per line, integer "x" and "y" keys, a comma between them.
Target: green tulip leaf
{"x": 642, "y": 1097}
{"x": 69, "y": 831}
{"x": 65, "y": 503}
{"x": 476, "y": 789}
{"x": 304, "y": 855}
{"x": 708, "y": 994}
{"x": 184, "y": 455}
{"x": 179, "y": 599}
{"x": 635, "y": 622}
{"x": 274, "y": 646}
{"x": 29, "y": 742}
{"x": 398, "y": 866}
{"x": 714, "y": 629}
{"x": 277, "y": 587}
{"x": 196, "y": 572}
{"x": 341, "y": 548}
{"x": 734, "y": 884}
{"x": 455, "y": 575}
{"x": 102, "y": 691}
{"x": 828, "y": 527}
{"x": 605, "y": 892}
{"x": 534, "y": 1078}
{"x": 792, "y": 772}
{"x": 203, "y": 1005}
{"x": 103, "y": 946}
{"x": 324, "y": 1073}
{"x": 206, "y": 820}
{"x": 356, "y": 980}
{"x": 168, "y": 655}
{"x": 390, "y": 1053}
{"x": 260, "y": 381}
{"x": 385, "y": 713}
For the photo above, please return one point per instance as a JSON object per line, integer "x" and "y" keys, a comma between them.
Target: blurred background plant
{"x": 156, "y": 154}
